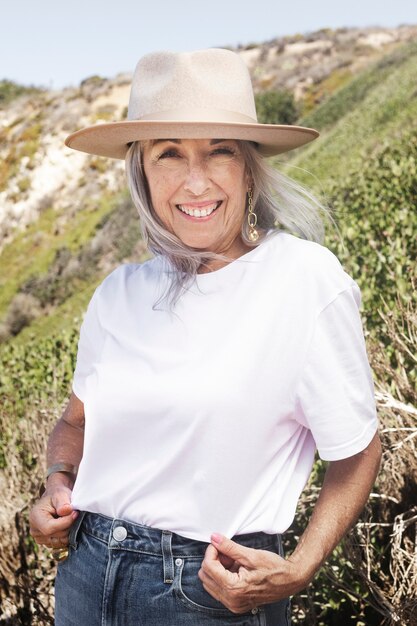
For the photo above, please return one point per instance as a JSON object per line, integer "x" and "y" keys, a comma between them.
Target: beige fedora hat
{"x": 190, "y": 95}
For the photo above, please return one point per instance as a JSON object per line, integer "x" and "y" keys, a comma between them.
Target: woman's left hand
{"x": 244, "y": 578}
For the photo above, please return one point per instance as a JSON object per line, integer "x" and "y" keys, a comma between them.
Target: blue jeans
{"x": 124, "y": 574}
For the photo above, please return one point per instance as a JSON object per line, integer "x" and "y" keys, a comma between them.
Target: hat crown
{"x": 191, "y": 86}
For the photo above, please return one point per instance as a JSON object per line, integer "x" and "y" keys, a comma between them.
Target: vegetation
{"x": 9, "y": 91}
{"x": 276, "y": 107}
{"x": 351, "y": 95}
{"x": 25, "y": 145}
{"x": 375, "y": 203}
{"x": 365, "y": 165}
{"x": 319, "y": 92}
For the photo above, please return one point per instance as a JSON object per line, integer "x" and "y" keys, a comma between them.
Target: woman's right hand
{"x": 52, "y": 516}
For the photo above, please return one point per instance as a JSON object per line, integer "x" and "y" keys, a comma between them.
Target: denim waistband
{"x": 122, "y": 534}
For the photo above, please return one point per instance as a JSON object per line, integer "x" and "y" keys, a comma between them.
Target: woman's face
{"x": 198, "y": 190}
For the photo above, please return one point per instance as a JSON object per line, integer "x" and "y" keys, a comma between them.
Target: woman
{"x": 207, "y": 377}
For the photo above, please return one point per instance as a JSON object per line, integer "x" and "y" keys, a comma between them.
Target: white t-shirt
{"x": 206, "y": 418}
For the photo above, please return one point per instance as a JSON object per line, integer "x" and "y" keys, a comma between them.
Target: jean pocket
{"x": 189, "y": 589}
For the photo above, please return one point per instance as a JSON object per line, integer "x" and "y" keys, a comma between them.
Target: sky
{"x": 56, "y": 44}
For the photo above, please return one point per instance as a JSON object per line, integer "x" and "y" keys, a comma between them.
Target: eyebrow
{"x": 212, "y": 141}
{"x": 156, "y": 141}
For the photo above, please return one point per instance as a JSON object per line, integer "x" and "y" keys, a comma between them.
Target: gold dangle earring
{"x": 252, "y": 218}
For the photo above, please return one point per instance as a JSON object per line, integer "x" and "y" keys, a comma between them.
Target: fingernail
{"x": 216, "y": 538}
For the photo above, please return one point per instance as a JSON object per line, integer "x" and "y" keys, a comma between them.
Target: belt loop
{"x": 167, "y": 556}
{"x": 279, "y": 545}
{"x": 74, "y": 530}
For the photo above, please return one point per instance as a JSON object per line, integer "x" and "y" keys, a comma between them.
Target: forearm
{"x": 65, "y": 444}
{"x": 52, "y": 515}
{"x": 346, "y": 488}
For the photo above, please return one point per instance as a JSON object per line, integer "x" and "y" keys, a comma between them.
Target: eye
{"x": 223, "y": 151}
{"x": 170, "y": 153}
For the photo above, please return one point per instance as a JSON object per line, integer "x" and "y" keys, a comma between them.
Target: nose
{"x": 197, "y": 181}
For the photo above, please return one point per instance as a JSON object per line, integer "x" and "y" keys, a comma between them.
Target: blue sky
{"x": 54, "y": 44}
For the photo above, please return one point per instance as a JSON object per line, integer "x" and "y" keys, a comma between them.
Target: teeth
{"x": 199, "y": 212}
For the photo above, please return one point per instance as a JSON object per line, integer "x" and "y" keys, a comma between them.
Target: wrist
{"x": 306, "y": 564}
{"x": 59, "y": 475}
{"x": 287, "y": 578}
{"x": 64, "y": 468}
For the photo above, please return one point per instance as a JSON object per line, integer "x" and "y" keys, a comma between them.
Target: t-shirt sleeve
{"x": 90, "y": 344}
{"x": 335, "y": 398}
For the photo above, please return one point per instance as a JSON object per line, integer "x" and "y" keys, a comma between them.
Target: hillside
{"x": 66, "y": 220}
{"x": 54, "y": 202}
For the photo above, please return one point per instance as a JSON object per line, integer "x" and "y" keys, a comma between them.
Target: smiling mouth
{"x": 201, "y": 212}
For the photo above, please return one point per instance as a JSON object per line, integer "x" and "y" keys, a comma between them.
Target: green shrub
{"x": 25, "y": 145}
{"x": 9, "y": 91}
{"x": 375, "y": 205}
{"x": 36, "y": 371}
{"x": 93, "y": 81}
{"x": 23, "y": 309}
{"x": 276, "y": 107}
{"x": 24, "y": 184}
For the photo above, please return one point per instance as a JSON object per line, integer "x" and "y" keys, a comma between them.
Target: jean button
{"x": 255, "y": 611}
{"x": 178, "y": 562}
{"x": 119, "y": 533}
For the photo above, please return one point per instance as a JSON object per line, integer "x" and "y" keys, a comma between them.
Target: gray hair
{"x": 279, "y": 202}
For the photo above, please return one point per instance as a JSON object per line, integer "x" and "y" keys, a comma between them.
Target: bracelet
{"x": 66, "y": 468}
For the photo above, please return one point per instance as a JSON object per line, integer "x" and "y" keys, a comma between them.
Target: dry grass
{"x": 26, "y": 572}
{"x": 382, "y": 548}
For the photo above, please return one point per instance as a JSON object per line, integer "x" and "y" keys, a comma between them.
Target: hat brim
{"x": 113, "y": 139}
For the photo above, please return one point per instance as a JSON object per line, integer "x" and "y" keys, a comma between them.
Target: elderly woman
{"x": 207, "y": 377}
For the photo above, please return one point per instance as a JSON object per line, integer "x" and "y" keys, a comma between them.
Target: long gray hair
{"x": 279, "y": 202}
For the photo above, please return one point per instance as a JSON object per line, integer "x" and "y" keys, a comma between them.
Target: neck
{"x": 237, "y": 250}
